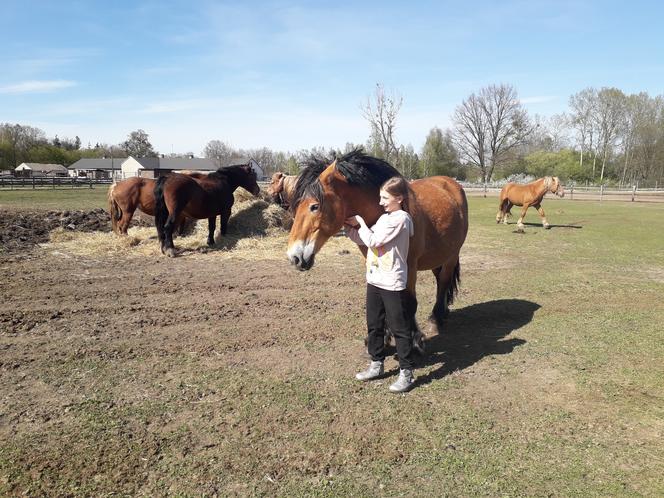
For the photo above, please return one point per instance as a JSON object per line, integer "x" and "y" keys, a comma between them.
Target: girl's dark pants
{"x": 393, "y": 304}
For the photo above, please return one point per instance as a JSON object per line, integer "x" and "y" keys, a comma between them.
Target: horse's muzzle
{"x": 301, "y": 263}
{"x": 301, "y": 255}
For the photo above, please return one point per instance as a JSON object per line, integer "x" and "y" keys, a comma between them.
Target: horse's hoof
{"x": 170, "y": 252}
{"x": 547, "y": 226}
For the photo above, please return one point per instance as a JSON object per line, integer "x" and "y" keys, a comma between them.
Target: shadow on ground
{"x": 539, "y": 225}
{"x": 471, "y": 333}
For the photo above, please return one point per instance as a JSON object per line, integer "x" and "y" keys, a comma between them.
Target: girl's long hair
{"x": 398, "y": 186}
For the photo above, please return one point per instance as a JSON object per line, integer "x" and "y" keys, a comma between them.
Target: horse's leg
{"x": 502, "y": 209}
{"x": 223, "y": 220}
{"x": 123, "y": 223}
{"x": 212, "y": 225}
{"x": 508, "y": 213}
{"x": 545, "y": 223}
{"x": 519, "y": 225}
{"x": 447, "y": 280}
{"x": 169, "y": 227}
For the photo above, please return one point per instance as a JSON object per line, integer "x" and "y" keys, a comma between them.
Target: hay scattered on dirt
{"x": 256, "y": 230}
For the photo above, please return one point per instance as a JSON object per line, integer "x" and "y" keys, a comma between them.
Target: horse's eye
{"x": 313, "y": 208}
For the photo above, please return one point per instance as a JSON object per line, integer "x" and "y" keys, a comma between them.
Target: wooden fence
{"x": 13, "y": 183}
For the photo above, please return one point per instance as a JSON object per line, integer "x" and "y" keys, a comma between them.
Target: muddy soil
{"x": 22, "y": 230}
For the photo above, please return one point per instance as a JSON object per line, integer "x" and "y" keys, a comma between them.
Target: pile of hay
{"x": 252, "y": 220}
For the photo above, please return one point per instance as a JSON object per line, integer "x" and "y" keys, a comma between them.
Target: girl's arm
{"x": 385, "y": 229}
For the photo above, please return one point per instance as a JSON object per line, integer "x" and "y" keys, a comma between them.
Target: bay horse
{"x": 282, "y": 188}
{"x": 530, "y": 194}
{"x": 126, "y": 196}
{"x": 328, "y": 193}
{"x": 207, "y": 196}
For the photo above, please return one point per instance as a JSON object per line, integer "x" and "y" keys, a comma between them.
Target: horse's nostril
{"x": 296, "y": 261}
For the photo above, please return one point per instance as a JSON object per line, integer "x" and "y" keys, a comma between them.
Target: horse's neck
{"x": 542, "y": 189}
{"x": 363, "y": 203}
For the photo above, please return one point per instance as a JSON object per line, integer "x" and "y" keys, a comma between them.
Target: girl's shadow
{"x": 471, "y": 333}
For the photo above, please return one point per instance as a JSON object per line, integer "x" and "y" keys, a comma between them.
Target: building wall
{"x": 131, "y": 167}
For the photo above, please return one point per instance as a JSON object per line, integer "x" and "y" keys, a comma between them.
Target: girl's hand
{"x": 352, "y": 222}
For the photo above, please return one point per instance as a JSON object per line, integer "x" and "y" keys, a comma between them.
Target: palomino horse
{"x": 179, "y": 195}
{"x": 328, "y": 194}
{"x": 530, "y": 194}
{"x": 125, "y": 197}
{"x": 282, "y": 188}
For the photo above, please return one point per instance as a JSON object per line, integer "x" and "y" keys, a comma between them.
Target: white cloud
{"x": 37, "y": 86}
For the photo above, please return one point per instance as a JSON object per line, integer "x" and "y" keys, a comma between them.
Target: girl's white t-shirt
{"x": 387, "y": 243}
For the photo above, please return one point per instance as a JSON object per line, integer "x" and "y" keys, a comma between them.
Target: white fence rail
{"x": 583, "y": 193}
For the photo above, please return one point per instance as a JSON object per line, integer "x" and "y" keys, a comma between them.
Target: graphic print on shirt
{"x": 378, "y": 257}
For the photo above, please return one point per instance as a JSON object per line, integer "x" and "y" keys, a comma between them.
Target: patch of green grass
{"x": 55, "y": 200}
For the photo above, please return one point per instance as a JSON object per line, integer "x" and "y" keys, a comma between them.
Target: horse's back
{"x": 520, "y": 194}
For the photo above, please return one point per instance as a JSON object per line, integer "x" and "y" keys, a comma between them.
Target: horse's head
{"x": 276, "y": 184}
{"x": 249, "y": 180}
{"x": 556, "y": 187}
{"x": 319, "y": 214}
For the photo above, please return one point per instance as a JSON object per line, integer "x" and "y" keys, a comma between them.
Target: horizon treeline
{"x": 605, "y": 136}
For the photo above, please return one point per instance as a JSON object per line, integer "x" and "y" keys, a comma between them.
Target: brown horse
{"x": 328, "y": 194}
{"x": 178, "y": 195}
{"x": 282, "y": 188}
{"x": 125, "y": 197}
{"x": 530, "y": 194}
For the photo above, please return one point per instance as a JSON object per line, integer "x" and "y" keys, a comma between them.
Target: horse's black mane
{"x": 359, "y": 169}
{"x": 230, "y": 172}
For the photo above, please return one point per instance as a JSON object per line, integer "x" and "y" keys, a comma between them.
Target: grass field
{"x": 57, "y": 200}
{"x": 547, "y": 381}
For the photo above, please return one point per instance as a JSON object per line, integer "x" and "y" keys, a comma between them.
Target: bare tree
{"x": 583, "y": 104}
{"x": 608, "y": 116}
{"x": 381, "y": 110}
{"x": 219, "y": 152}
{"x": 489, "y": 126}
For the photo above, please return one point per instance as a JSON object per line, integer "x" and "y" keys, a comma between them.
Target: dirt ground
{"x": 225, "y": 372}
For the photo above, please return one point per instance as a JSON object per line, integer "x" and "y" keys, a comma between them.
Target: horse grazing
{"x": 282, "y": 188}
{"x": 178, "y": 195}
{"x": 530, "y": 194}
{"x": 125, "y": 197}
{"x": 326, "y": 194}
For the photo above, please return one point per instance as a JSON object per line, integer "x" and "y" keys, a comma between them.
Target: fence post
{"x": 33, "y": 183}
{"x": 601, "y": 192}
{"x": 485, "y": 189}
{"x": 53, "y": 183}
{"x": 571, "y": 193}
{"x": 90, "y": 180}
{"x": 633, "y": 192}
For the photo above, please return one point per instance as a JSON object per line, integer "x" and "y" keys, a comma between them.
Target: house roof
{"x": 103, "y": 164}
{"x": 177, "y": 163}
{"x": 46, "y": 168}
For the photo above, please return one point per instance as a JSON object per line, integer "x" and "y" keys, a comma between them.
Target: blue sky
{"x": 292, "y": 75}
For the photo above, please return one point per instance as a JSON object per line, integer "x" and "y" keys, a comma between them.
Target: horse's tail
{"x": 160, "y": 209}
{"x": 114, "y": 208}
{"x": 453, "y": 289}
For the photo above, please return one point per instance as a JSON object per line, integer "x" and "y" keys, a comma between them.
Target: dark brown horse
{"x": 125, "y": 197}
{"x": 282, "y": 188}
{"x": 328, "y": 194}
{"x": 179, "y": 195}
{"x": 530, "y": 194}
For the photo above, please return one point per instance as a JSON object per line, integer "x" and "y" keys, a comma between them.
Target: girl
{"x": 387, "y": 273}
